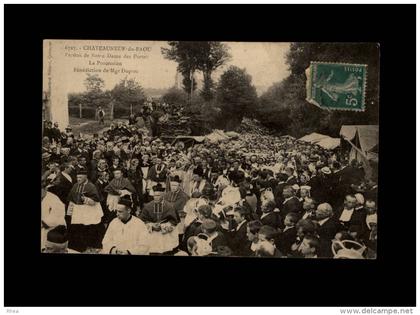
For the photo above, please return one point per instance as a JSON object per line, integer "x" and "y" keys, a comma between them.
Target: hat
{"x": 295, "y": 187}
{"x": 175, "y": 179}
{"x": 305, "y": 187}
{"x": 125, "y": 200}
{"x": 326, "y": 170}
{"x": 205, "y": 210}
{"x": 209, "y": 224}
{"x": 46, "y": 155}
{"x": 158, "y": 187}
{"x": 57, "y": 237}
{"x": 82, "y": 171}
{"x": 198, "y": 171}
{"x": 68, "y": 127}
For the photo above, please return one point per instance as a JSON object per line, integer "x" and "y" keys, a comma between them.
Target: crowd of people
{"x": 125, "y": 191}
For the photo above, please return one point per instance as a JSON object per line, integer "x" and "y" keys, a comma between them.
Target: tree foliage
{"x": 197, "y": 56}
{"x": 175, "y": 97}
{"x": 124, "y": 94}
{"x": 127, "y": 93}
{"x": 236, "y": 96}
{"x": 93, "y": 83}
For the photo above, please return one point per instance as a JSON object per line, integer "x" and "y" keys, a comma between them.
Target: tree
{"x": 185, "y": 54}
{"x": 212, "y": 56}
{"x": 126, "y": 93}
{"x": 175, "y": 97}
{"x": 94, "y": 83}
{"x": 236, "y": 95}
{"x": 192, "y": 56}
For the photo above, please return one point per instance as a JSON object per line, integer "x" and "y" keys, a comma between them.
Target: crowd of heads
{"x": 295, "y": 199}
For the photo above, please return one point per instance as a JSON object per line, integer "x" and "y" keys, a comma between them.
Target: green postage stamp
{"x": 336, "y": 86}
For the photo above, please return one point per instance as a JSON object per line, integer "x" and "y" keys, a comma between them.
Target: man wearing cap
{"x": 175, "y": 197}
{"x": 161, "y": 220}
{"x": 86, "y": 213}
{"x": 126, "y": 234}
{"x": 57, "y": 241}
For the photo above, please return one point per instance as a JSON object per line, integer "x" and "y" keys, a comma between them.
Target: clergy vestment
{"x": 162, "y": 213}
{"x": 52, "y": 215}
{"x": 86, "y": 213}
{"x": 131, "y": 236}
{"x": 157, "y": 173}
{"x": 113, "y": 189}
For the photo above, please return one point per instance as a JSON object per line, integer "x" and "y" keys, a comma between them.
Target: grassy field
{"x": 89, "y": 126}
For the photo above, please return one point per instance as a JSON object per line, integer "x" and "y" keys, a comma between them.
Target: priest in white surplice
{"x": 126, "y": 234}
{"x": 52, "y": 213}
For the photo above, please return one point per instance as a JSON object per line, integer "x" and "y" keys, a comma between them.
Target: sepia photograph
{"x": 210, "y": 148}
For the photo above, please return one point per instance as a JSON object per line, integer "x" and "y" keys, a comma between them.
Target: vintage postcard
{"x": 239, "y": 149}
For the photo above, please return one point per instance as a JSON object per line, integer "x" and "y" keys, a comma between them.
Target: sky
{"x": 265, "y": 62}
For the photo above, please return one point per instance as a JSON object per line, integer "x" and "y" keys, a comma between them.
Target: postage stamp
{"x": 337, "y": 86}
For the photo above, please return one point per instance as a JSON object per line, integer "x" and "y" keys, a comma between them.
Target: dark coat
{"x": 321, "y": 188}
{"x": 272, "y": 219}
{"x": 285, "y": 240}
{"x": 238, "y": 241}
{"x": 168, "y": 213}
{"x": 61, "y": 187}
{"x": 326, "y": 233}
{"x": 358, "y": 218}
{"x": 291, "y": 205}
